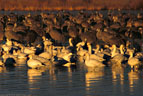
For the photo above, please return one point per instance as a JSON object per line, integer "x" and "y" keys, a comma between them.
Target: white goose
{"x": 9, "y": 42}
{"x": 46, "y": 42}
{"x": 28, "y": 50}
{"x": 94, "y": 56}
{"x": 118, "y": 58}
{"x": 114, "y": 51}
{"x": 21, "y": 57}
{"x": 90, "y": 62}
{"x": 66, "y": 57}
{"x": 7, "y": 46}
{"x": 33, "y": 63}
{"x": 81, "y": 54}
{"x": 47, "y": 54}
{"x": 133, "y": 61}
{"x": 41, "y": 59}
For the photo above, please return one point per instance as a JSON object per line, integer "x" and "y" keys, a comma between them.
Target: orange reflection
{"x": 34, "y": 75}
{"x": 52, "y": 73}
{"x": 133, "y": 77}
{"x": 117, "y": 75}
{"x": 117, "y": 70}
{"x": 2, "y": 69}
{"x": 93, "y": 76}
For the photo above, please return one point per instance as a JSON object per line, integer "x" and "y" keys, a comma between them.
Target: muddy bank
{"x": 70, "y": 4}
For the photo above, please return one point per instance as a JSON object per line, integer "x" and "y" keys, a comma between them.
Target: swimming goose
{"x": 34, "y": 63}
{"x": 81, "y": 51}
{"x": 66, "y": 57}
{"x": 21, "y": 57}
{"x": 47, "y": 54}
{"x": 118, "y": 58}
{"x": 28, "y": 50}
{"x": 41, "y": 59}
{"x": 94, "y": 56}
{"x": 90, "y": 62}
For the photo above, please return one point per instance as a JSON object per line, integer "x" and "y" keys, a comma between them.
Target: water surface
{"x": 71, "y": 82}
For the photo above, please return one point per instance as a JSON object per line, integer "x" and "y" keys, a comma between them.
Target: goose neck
{"x": 70, "y": 42}
{"x": 121, "y": 50}
{"x": 89, "y": 49}
{"x": 114, "y": 51}
{"x": 131, "y": 54}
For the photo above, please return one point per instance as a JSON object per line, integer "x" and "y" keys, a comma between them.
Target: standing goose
{"x": 133, "y": 61}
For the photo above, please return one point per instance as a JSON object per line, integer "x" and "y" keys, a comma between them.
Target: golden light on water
{"x": 133, "y": 77}
{"x": 92, "y": 77}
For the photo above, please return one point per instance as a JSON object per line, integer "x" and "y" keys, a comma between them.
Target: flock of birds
{"x": 65, "y": 39}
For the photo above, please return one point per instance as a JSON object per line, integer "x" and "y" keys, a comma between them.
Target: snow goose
{"x": 41, "y": 59}
{"x": 47, "y": 54}
{"x": 118, "y": 58}
{"x": 21, "y": 57}
{"x": 8, "y": 42}
{"x": 46, "y": 42}
{"x": 133, "y": 61}
{"x": 7, "y": 46}
{"x": 66, "y": 57}
{"x": 90, "y": 62}
{"x": 94, "y": 56}
{"x": 34, "y": 63}
{"x": 114, "y": 50}
{"x": 28, "y": 50}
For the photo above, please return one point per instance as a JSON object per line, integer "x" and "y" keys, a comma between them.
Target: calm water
{"x": 71, "y": 82}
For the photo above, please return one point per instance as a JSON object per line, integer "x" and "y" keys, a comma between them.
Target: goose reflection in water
{"x": 34, "y": 75}
{"x": 118, "y": 76}
{"x": 117, "y": 70}
{"x": 93, "y": 76}
{"x": 133, "y": 77}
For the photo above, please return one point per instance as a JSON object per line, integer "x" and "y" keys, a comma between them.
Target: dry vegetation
{"x": 69, "y": 4}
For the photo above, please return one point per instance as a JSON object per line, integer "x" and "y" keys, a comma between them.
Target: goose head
{"x": 113, "y": 48}
{"x": 89, "y": 48}
{"x": 97, "y": 48}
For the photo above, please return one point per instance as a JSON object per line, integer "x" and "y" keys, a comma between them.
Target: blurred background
{"x": 70, "y": 4}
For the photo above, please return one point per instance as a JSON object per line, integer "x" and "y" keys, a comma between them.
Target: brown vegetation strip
{"x": 69, "y": 4}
